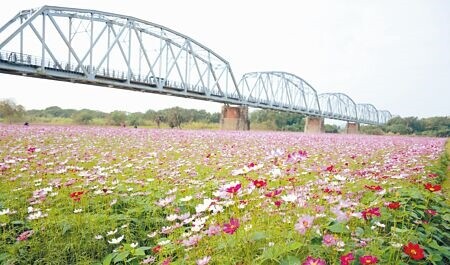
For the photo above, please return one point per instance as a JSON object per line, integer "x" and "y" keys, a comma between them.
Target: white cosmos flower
{"x": 116, "y": 240}
{"x": 110, "y": 233}
{"x": 289, "y": 198}
{"x": 98, "y": 237}
{"x": 339, "y": 177}
{"x": 172, "y": 217}
{"x": 133, "y": 245}
{"x": 186, "y": 199}
{"x": 77, "y": 210}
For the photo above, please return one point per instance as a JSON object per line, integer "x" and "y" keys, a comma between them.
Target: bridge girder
{"x": 367, "y": 113}
{"x": 384, "y": 116}
{"x": 339, "y": 105}
{"x": 98, "y": 44}
{"x": 279, "y": 89}
{"x": 106, "y": 49}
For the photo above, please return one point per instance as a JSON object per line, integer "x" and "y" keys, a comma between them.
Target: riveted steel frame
{"x": 106, "y": 49}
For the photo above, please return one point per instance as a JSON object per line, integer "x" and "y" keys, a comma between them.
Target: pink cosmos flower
{"x": 25, "y": 235}
{"x": 192, "y": 241}
{"x": 204, "y": 260}
{"x": 329, "y": 240}
{"x": 304, "y": 223}
{"x": 213, "y": 230}
{"x": 313, "y": 261}
{"x": 232, "y": 226}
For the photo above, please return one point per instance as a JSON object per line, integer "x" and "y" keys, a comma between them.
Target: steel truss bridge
{"x": 105, "y": 49}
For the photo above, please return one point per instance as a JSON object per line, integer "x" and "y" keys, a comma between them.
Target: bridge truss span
{"x": 109, "y": 49}
{"x": 338, "y": 105}
{"x": 279, "y": 90}
{"x": 105, "y": 49}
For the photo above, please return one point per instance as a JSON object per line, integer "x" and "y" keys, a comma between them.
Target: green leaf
{"x": 3, "y": 257}
{"x": 399, "y": 230}
{"x": 66, "y": 227}
{"x": 359, "y": 231}
{"x": 121, "y": 256}
{"x": 139, "y": 252}
{"x": 338, "y": 228}
{"x": 17, "y": 222}
{"x": 446, "y": 217}
{"x": 316, "y": 241}
{"x": 109, "y": 258}
{"x": 292, "y": 246}
{"x": 290, "y": 260}
{"x": 258, "y": 236}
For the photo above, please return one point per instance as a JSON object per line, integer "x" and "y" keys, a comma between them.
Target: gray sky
{"x": 394, "y": 54}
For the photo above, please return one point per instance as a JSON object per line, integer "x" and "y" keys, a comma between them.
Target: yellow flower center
{"x": 413, "y": 252}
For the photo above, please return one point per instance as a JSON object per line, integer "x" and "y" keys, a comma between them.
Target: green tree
{"x": 83, "y": 116}
{"x": 117, "y": 117}
{"x": 10, "y": 111}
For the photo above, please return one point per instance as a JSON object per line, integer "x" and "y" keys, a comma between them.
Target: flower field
{"x": 92, "y": 195}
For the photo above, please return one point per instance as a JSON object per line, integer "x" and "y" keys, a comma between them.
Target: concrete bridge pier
{"x": 352, "y": 128}
{"x": 314, "y": 125}
{"x": 234, "y": 118}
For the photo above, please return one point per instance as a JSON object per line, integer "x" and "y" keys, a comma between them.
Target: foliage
{"x": 10, "y": 111}
{"x": 281, "y": 121}
{"x": 434, "y": 126}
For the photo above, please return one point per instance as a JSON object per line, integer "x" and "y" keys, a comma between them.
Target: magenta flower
{"x": 313, "y": 261}
{"x": 231, "y": 227}
{"x": 304, "y": 223}
{"x": 347, "y": 259}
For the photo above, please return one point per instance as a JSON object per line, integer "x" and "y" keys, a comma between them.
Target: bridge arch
{"x": 384, "y": 116}
{"x": 113, "y": 47}
{"x": 338, "y": 105}
{"x": 367, "y": 113}
{"x": 105, "y": 49}
{"x": 279, "y": 89}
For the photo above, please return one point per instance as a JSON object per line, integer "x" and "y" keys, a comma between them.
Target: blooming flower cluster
{"x": 214, "y": 197}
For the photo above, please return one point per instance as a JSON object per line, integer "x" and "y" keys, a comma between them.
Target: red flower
{"x": 414, "y": 251}
{"x": 347, "y": 259}
{"x": 251, "y": 165}
{"x": 371, "y": 212}
{"x": 373, "y": 187}
{"x": 231, "y": 227}
{"x": 330, "y": 168}
{"x": 432, "y": 187}
{"x": 76, "y": 196}
{"x": 393, "y": 205}
{"x": 273, "y": 193}
{"x": 156, "y": 249}
{"x": 366, "y": 260}
{"x": 278, "y": 203}
{"x": 259, "y": 183}
{"x": 234, "y": 189}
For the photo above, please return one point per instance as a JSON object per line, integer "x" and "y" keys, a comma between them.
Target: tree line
{"x": 433, "y": 126}
{"x": 10, "y": 112}
{"x": 175, "y": 117}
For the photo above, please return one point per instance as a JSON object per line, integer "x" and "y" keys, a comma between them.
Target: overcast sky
{"x": 394, "y": 54}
